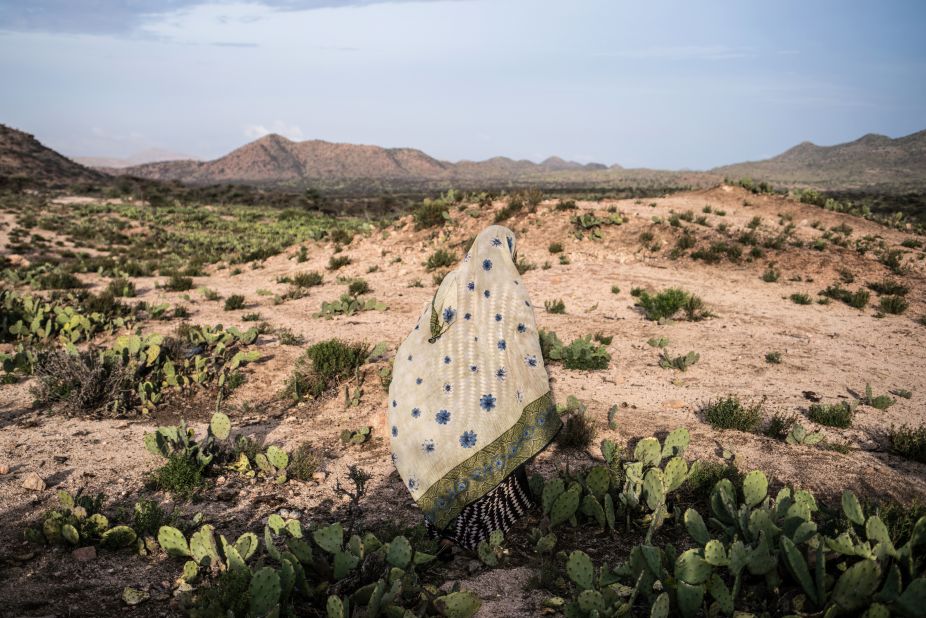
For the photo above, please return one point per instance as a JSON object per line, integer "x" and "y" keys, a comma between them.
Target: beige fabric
{"x": 453, "y": 397}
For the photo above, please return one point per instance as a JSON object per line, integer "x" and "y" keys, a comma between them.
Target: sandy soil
{"x": 831, "y": 350}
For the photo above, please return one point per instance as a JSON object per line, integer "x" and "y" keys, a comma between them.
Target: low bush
{"x": 730, "y": 413}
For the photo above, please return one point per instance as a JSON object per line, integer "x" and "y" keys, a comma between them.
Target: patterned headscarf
{"x": 470, "y": 398}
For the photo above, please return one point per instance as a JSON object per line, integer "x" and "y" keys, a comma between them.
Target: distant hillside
{"x": 151, "y": 155}
{"x": 24, "y": 160}
{"x": 870, "y": 161}
{"x": 275, "y": 160}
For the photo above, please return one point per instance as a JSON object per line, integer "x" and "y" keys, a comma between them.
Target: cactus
{"x": 580, "y": 570}
{"x": 798, "y": 568}
{"x": 264, "y": 591}
{"x": 856, "y": 586}
{"x": 676, "y": 443}
{"x": 676, "y": 471}
{"x": 689, "y": 597}
{"x": 648, "y": 452}
{"x": 203, "y": 547}
{"x": 220, "y": 426}
{"x": 276, "y": 523}
{"x": 695, "y": 526}
{"x": 591, "y": 600}
{"x": 691, "y": 568}
{"x": 173, "y": 542}
{"x": 551, "y": 491}
{"x": 564, "y": 507}
{"x": 117, "y": 537}
{"x": 654, "y": 487}
{"x": 344, "y": 563}
{"x": 190, "y": 571}
{"x": 597, "y": 481}
{"x": 660, "y": 608}
{"x": 277, "y": 457}
{"x": 852, "y": 508}
{"x": 301, "y": 549}
{"x": 246, "y": 545}
{"x": 592, "y": 508}
{"x": 399, "y": 552}
{"x": 329, "y": 538}
{"x": 609, "y": 514}
{"x": 755, "y": 487}
{"x": 70, "y": 534}
{"x": 460, "y": 604}
{"x": 335, "y": 607}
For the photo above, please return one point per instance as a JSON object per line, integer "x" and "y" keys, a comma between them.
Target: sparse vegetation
{"x": 440, "y": 259}
{"x": 831, "y": 415}
{"x": 731, "y": 413}
{"x": 555, "y": 306}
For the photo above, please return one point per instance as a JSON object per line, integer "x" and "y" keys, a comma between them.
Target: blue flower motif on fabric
{"x": 500, "y": 373}
{"x": 395, "y": 458}
{"x": 510, "y": 243}
{"x": 467, "y": 316}
{"x": 486, "y": 265}
{"x": 409, "y": 357}
{"x": 496, "y": 242}
{"x": 468, "y": 439}
{"x": 413, "y": 484}
{"x": 473, "y": 368}
{"x": 442, "y": 417}
{"x": 448, "y": 388}
{"x": 501, "y": 344}
{"x": 471, "y": 286}
{"x": 498, "y": 317}
{"x": 531, "y": 360}
{"x": 394, "y": 404}
{"x": 446, "y": 360}
{"x": 395, "y": 431}
{"x": 427, "y": 446}
{"x": 449, "y": 314}
{"x": 416, "y": 412}
{"x": 487, "y": 293}
{"x": 521, "y": 327}
{"x": 487, "y": 402}
{"x": 418, "y": 380}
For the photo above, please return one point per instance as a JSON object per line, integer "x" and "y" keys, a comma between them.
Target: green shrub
{"x": 666, "y": 304}
{"x": 887, "y": 287}
{"x": 555, "y": 306}
{"x": 893, "y": 260}
{"x": 893, "y": 304}
{"x": 770, "y": 275}
{"x": 181, "y": 477}
{"x": 304, "y": 461}
{"x": 210, "y": 294}
{"x": 555, "y": 247}
{"x": 583, "y": 354}
{"x": 338, "y": 261}
{"x": 440, "y": 259}
{"x": 178, "y": 283}
{"x": 323, "y": 365}
{"x": 565, "y": 205}
{"x": 682, "y": 363}
{"x": 857, "y": 299}
{"x": 779, "y": 426}
{"x": 121, "y": 287}
{"x": 831, "y": 415}
{"x": 234, "y": 302}
{"x": 731, "y": 413}
{"x": 58, "y": 280}
{"x": 909, "y": 442}
{"x": 717, "y": 251}
{"x": 358, "y": 287}
{"x": 799, "y": 298}
{"x": 773, "y": 358}
{"x": 307, "y": 279}
{"x": 431, "y": 213}
{"x": 615, "y": 289}
{"x": 879, "y": 402}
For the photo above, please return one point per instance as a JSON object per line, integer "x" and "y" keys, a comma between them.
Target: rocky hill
{"x": 872, "y": 160}
{"x": 25, "y": 161}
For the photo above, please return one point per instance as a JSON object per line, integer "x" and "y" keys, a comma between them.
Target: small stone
{"x": 319, "y": 477}
{"x": 84, "y": 554}
{"x": 4, "y": 469}
{"x": 34, "y": 482}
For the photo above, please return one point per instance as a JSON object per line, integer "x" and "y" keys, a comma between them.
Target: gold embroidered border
{"x": 473, "y": 478}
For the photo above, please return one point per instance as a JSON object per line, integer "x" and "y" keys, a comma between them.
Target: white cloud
{"x": 289, "y": 131}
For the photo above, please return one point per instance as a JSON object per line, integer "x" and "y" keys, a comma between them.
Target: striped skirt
{"x": 497, "y": 510}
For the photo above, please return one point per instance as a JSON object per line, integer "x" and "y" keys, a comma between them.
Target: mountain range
{"x": 872, "y": 161}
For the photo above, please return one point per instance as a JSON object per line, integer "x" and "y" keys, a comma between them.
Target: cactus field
{"x": 193, "y": 401}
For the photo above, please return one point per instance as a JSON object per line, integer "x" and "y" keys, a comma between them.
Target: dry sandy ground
{"x": 829, "y": 349}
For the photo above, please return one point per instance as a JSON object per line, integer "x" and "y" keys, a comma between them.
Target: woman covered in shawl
{"x": 470, "y": 400}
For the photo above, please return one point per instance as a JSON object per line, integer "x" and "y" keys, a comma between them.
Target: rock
{"x": 34, "y": 482}
{"x": 84, "y": 554}
{"x": 4, "y": 469}
{"x": 319, "y": 477}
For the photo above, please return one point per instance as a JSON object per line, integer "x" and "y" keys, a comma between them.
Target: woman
{"x": 470, "y": 400}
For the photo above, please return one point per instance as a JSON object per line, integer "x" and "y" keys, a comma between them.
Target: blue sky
{"x": 644, "y": 84}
